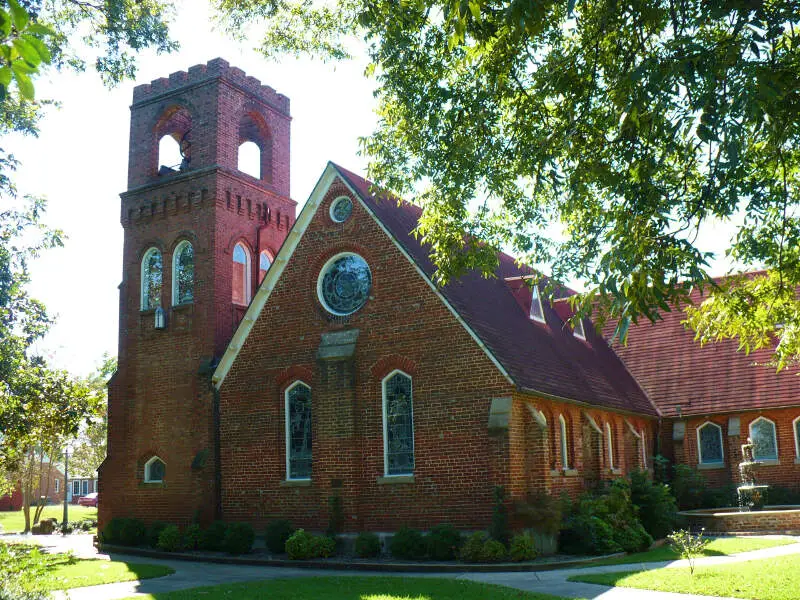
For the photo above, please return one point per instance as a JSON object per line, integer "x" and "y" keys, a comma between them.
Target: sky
{"x": 79, "y": 163}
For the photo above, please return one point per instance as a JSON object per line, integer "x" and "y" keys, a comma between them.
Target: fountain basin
{"x": 783, "y": 519}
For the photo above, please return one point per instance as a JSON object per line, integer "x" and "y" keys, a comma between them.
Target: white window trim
{"x": 610, "y": 445}
{"x": 57, "y": 482}
{"x": 579, "y": 331}
{"x": 699, "y": 447}
{"x": 564, "y": 443}
{"x": 796, "y": 439}
{"x": 774, "y": 435}
{"x": 176, "y": 253}
{"x": 385, "y": 432}
{"x": 271, "y": 262}
{"x": 321, "y": 276}
{"x": 644, "y": 448}
{"x": 333, "y": 205}
{"x": 287, "y": 433}
{"x": 248, "y": 269}
{"x": 147, "y": 478}
{"x": 76, "y": 482}
{"x": 536, "y": 297}
{"x": 142, "y": 292}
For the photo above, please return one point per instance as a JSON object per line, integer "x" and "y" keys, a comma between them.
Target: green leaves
{"x": 22, "y": 48}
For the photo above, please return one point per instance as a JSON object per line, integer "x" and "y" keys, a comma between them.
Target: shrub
{"x": 239, "y": 538}
{"x": 587, "y": 534}
{"x": 522, "y": 548}
{"x": 170, "y": 539}
{"x": 687, "y": 545}
{"x": 154, "y": 532}
{"x": 408, "y": 544}
{"x": 133, "y": 532}
{"x": 112, "y": 532}
{"x": 278, "y": 532}
{"x": 780, "y": 495}
{"x": 368, "y": 545}
{"x": 472, "y": 549}
{"x": 336, "y": 519}
{"x": 214, "y": 537}
{"x": 443, "y": 542}
{"x": 688, "y": 486}
{"x": 493, "y": 551}
{"x": 192, "y": 537}
{"x": 657, "y": 508}
{"x": 322, "y": 546}
{"x": 540, "y": 512}
{"x": 498, "y": 530}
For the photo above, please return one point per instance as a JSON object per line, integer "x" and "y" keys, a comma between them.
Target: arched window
{"x": 183, "y": 274}
{"x": 152, "y": 278}
{"x": 398, "y": 425}
{"x": 564, "y": 443}
{"x": 264, "y": 263}
{"x": 154, "y": 470}
{"x": 241, "y": 274}
{"x": 796, "y": 427}
{"x": 709, "y": 444}
{"x": 610, "y": 445}
{"x": 298, "y": 431}
{"x": 250, "y": 159}
{"x": 169, "y": 153}
{"x": 765, "y": 443}
{"x": 643, "y": 442}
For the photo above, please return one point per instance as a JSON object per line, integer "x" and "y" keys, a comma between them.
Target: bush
{"x": 657, "y": 508}
{"x": 408, "y": 544}
{"x": 214, "y": 537}
{"x": 779, "y": 496}
{"x": 192, "y": 537}
{"x": 133, "y": 532}
{"x": 472, "y": 549}
{"x": 298, "y": 546}
{"x": 322, "y": 546}
{"x": 493, "y": 551}
{"x": 688, "y": 486}
{"x": 540, "y": 512}
{"x": 154, "y": 532}
{"x": 522, "y": 548}
{"x": 587, "y": 534}
{"x": 498, "y": 530}
{"x": 368, "y": 545}
{"x": 278, "y": 532}
{"x": 239, "y": 538}
{"x": 170, "y": 539}
{"x": 112, "y": 532}
{"x": 443, "y": 542}
{"x": 688, "y": 546}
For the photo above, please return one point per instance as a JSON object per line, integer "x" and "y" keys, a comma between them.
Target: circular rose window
{"x": 341, "y": 209}
{"x": 344, "y": 284}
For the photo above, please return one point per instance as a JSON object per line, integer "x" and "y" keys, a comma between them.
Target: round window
{"x": 344, "y": 284}
{"x": 341, "y": 209}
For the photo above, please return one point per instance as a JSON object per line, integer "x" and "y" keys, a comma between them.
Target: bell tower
{"x": 199, "y": 235}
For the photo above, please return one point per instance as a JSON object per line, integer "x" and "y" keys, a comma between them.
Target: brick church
{"x": 269, "y": 361}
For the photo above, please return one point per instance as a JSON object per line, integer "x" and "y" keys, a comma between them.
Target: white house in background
{"x": 81, "y": 485}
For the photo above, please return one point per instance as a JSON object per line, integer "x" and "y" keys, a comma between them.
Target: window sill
{"x": 152, "y": 484}
{"x": 615, "y": 471}
{"x": 768, "y": 462}
{"x": 184, "y": 306}
{"x": 709, "y": 466}
{"x": 296, "y": 483}
{"x": 395, "y": 479}
{"x": 570, "y": 472}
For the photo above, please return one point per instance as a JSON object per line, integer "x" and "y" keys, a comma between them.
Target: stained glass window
{"x": 241, "y": 280}
{"x": 341, "y": 209}
{"x": 610, "y": 445}
{"x": 298, "y": 431}
{"x": 564, "y": 443}
{"x": 154, "y": 470}
{"x": 398, "y": 418}
{"x": 152, "y": 273}
{"x": 183, "y": 274}
{"x": 345, "y": 284}
{"x": 264, "y": 263}
{"x": 710, "y": 436}
{"x": 762, "y": 433}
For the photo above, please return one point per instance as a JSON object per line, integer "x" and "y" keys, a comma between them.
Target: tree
{"x": 89, "y": 448}
{"x": 590, "y": 138}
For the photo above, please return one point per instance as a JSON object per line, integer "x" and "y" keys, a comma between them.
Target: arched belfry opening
{"x": 174, "y": 135}
{"x": 255, "y": 147}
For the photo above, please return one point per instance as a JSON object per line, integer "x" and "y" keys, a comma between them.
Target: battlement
{"x": 217, "y": 68}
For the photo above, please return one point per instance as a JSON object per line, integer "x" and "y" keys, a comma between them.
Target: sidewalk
{"x": 195, "y": 574}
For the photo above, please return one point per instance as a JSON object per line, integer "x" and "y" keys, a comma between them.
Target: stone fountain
{"x": 751, "y": 495}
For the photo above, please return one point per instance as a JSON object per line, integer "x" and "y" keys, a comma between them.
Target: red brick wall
{"x": 160, "y": 401}
{"x": 785, "y": 474}
{"x": 403, "y": 325}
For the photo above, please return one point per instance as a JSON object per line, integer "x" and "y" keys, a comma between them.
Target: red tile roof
{"x": 678, "y": 373}
{"x": 541, "y": 358}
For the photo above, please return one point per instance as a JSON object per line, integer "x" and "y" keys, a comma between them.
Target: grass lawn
{"x": 716, "y": 547}
{"x": 80, "y": 573}
{"x": 773, "y": 579}
{"x": 354, "y": 588}
{"x": 14, "y": 521}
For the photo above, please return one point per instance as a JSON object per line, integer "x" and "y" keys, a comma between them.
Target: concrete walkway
{"x": 196, "y": 574}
